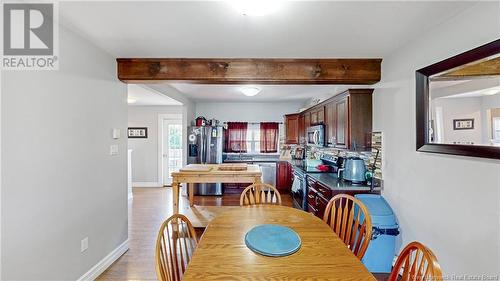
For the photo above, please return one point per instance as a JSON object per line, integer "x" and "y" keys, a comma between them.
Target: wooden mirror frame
{"x": 422, "y": 104}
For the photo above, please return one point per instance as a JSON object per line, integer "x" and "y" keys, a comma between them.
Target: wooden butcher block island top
{"x": 217, "y": 169}
{"x": 212, "y": 173}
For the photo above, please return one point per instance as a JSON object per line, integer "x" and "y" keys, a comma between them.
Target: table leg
{"x": 257, "y": 180}
{"x": 175, "y": 196}
{"x": 191, "y": 194}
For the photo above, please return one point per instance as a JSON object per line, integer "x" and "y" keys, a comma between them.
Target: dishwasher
{"x": 268, "y": 170}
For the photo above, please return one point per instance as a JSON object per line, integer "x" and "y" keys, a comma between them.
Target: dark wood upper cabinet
{"x": 317, "y": 115}
{"x": 314, "y": 117}
{"x": 347, "y": 118}
{"x": 321, "y": 115}
{"x": 359, "y": 119}
{"x": 307, "y": 119}
{"x": 292, "y": 128}
{"x": 330, "y": 122}
{"x": 302, "y": 128}
{"x": 341, "y": 126}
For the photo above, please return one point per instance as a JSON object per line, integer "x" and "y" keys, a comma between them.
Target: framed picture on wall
{"x": 463, "y": 124}
{"x": 137, "y": 132}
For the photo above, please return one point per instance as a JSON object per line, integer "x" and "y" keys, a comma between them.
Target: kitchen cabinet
{"x": 319, "y": 195}
{"x": 317, "y": 115}
{"x": 314, "y": 117}
{"x": 321, "y": 115}
{"x": 307, "y": 119}
{"x": 347, "y": 118}
{"x": 330, "y": 123}
{"x": 341, "y": 124}
{"x": 302, "y": 129}
{"x": 284, "y": 176}
{"x": 292, "y": 128}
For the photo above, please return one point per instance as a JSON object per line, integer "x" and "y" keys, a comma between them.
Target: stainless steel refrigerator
{"x": 205, "y": 147}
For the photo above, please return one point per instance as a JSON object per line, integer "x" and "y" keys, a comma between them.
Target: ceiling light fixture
{"x": 250, "y": 91}
{"x": 491, "y": 92}
{"x": 256, "y": 7}
{"x": 131, "y": 100}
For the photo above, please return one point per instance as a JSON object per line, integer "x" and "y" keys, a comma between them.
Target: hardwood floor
{"x": 148, "y": 209}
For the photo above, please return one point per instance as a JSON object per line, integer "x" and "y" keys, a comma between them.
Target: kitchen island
{"x": 210, "y": 173}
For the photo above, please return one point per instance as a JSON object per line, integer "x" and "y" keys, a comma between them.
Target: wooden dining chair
{"x": 350, "y": 220}
{"x": 260, "y": 193}
{"x": 175, "y": 245}
{"x": 416, "y": 263}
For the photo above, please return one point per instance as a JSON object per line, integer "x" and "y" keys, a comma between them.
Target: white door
{"x": 172, "y": 148}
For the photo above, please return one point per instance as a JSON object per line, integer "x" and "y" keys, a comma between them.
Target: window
{"x": 243, "y": 137}
{"x": 496, "y": 129}
{"x": 253, "y": 138}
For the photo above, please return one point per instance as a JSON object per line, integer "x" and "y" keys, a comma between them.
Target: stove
{"x": 300, "y": 171}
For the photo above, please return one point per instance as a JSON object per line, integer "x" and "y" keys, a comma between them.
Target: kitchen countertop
{"x": 333, "y": 182}
{"x": 252, "y": 161}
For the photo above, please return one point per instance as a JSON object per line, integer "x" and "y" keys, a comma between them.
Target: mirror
{"x": 458, "y": 104}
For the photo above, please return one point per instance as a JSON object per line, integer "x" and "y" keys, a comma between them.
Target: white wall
{"x": 450, "y": 203}
{"x": 248, "y": 112}
{"x": 145, "y": 151}
{"x": 61, "y": 184}
{"x": 460, "y": 108}
{"x": 488, "y": 103}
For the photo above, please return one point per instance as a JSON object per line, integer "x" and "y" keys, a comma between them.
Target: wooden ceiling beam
{"x": 482, "y": 69}
{"x": 250, "y": 71}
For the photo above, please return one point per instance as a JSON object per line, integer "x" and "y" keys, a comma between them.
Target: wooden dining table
{"x": 223, "y": 255}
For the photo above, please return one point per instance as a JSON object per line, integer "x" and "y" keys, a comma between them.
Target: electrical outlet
{"x": 84, "y": 244}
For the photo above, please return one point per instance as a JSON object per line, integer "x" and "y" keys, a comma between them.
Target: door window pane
{"x": 174, "y": 147}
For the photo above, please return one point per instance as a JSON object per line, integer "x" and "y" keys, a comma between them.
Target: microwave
{"x": 316, "y": 135}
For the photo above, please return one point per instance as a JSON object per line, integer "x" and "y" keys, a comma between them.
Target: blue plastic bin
{"x": 381, "y": 251}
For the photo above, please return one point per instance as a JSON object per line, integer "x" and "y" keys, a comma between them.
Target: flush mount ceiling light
{"x": 250, "y": 91}
{"x": 131, "y": 100}
{"x": 256, "y": 7}
{"x": 492, "y": 91}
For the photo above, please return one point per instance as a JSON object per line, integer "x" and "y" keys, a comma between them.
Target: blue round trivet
{"x": 272, "y": 240}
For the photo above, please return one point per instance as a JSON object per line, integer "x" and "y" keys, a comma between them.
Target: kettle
{"x": 354, "y": 170}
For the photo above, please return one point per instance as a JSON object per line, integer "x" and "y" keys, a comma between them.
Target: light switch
{"x": 116, "y": 134}
{"x": 84, "y": 244}
{"x": 113, "y": 149}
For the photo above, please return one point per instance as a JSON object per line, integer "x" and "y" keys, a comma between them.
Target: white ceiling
{"x": 478, "y": 87}
{"x": 300, "y": 29}
{"x": 142, "y": 95}
{"x": 304, "y": 29}
{"x": 268, "y": 93}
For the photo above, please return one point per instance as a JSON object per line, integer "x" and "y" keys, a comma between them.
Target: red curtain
{"x": 236, "y": 137}
{"x": 269, "y": 137}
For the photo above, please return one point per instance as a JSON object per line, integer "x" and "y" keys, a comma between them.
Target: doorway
{"x": 171, "y": 147}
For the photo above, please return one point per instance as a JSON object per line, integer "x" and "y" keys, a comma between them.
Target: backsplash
{"x": 367, "y": 156}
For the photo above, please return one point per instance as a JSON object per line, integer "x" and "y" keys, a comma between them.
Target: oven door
{"x": 299, "y": 195}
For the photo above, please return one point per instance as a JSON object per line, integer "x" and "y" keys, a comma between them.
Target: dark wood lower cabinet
{"x": 319, "y": 195}
{"x": 284, "y": 176}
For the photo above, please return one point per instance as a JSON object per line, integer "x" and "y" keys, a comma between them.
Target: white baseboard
{"x": 146, "y": 184}
{"x": 106, "y": 262}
